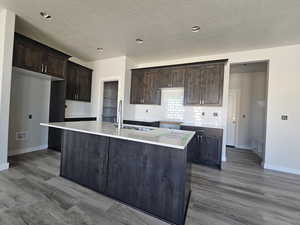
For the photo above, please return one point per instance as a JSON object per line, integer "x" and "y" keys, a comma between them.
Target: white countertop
{"x": 158, "y": 136}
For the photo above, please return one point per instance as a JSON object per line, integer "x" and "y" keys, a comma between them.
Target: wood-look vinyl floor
{"x": 32, "y": 193}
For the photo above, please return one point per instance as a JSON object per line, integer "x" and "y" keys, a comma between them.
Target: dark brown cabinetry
{"x": 145, "y": 87}
{"x": 204, "y": 85}
{"x": 171, "y": 77}
{"x": 36, "y": 57}
{"x": 78, "y": 82}
{"x": 202, "y": 82}
{"x": 152, "y": 178}
{"x": 206, "y": 146}
{"x": 192, "y": 90}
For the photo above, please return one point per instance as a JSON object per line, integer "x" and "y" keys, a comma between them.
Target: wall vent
{"x": 21, "y": 136}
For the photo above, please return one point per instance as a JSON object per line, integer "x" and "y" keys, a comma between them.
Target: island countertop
{"x": 157, "y": 136}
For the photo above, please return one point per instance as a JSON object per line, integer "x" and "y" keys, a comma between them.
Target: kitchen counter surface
{"x": 158, "y": 136}
{"x": 201, "y": 125}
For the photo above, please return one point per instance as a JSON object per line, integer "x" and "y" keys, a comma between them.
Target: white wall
{"x": 7, "y": 28}
{"x": 172, "y": 109}
{"x": 29, "y": 95}
{"x": 282, "y": 141}
{"x": 251, "y": 108}
{"x": 77, "y": 108}
{"x": 111, "y": 69}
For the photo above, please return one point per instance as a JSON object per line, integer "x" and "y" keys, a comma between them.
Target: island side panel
{"x": 84, "y": 159}
{"x": 149, "y": 177}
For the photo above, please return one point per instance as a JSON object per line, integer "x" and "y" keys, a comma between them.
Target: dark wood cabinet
{"x": 212, "y": 79}
{"x": 171, "y": 77}
{"x": 145, "y": 87}
{"x": 206, "y": 146}
{"x": 84, "y": 159}
{"x": 177, "y": 76}
{"x": 34, "y": 56}
{"x": 78, "y": 82}
{"x": 192, "y": 90}
{"x": 202, "y": 82}
{"x": 204, "y": 85}
{"x": 151, "y": 178}
{"x": 27, "y": 54}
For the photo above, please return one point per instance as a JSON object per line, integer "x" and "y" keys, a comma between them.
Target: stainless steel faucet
{"x": 120, "y": 115}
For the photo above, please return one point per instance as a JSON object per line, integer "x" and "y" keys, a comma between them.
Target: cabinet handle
{"x": 46, "y": 68}
{"x": 42, "y": 68}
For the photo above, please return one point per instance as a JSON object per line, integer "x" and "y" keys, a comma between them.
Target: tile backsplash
{"x": 172, "y": 109}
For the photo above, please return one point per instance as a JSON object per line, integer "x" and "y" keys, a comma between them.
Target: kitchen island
{"x": 144, "y": 167}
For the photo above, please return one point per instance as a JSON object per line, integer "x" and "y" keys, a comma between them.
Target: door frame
{"x": 101, "y": 92}
{"x": 237, "y": 92}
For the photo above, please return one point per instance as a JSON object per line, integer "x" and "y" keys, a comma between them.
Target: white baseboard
{"x": 12, "y": 152}
{"x": 282, "y": 169}
{"x": 4, "y": 166}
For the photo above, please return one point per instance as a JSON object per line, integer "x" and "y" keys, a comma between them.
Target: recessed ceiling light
{"x": 100, "y": 49}
{"x": 139, "y": 41}
{"x": 45, "y": 15}
{"x": 195, "y": 28}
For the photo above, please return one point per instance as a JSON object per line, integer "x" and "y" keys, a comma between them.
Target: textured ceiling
{"x": 80, "y": 26}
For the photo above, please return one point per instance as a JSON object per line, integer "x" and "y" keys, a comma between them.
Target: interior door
{"x": 232, "y": 118}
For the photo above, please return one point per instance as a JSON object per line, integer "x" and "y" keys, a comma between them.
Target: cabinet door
{"x": 71, "y": 81}
{"x": 151, "y": 91}
{"x": 192, "y": 91}
{"x": 136, "y": 91}
{"x": 165, "y": 80}
{"x": 27, "y": 54}
{"x": 212, "y": 77}
{"x": 84, "y": 159}
{"x": 84, "y": 77}
{"x": 210, "y": 150}
{"x": 55, "y": 64}
{"x": 177, "y": 76}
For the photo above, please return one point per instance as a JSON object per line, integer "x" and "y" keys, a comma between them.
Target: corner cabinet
{"x": 202, "y": 83}
{"x": 34, "y": 56}
{"x": 78, "y": 82}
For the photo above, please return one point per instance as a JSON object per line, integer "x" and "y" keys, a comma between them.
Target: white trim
{"x": 282, "y": 169}
{"x": 224, "y": 159}
{"x": 4, "y": 166}
{"x": 12, "y": 152}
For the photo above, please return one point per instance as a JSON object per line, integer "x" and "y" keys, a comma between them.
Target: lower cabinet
{"x": 206, "y": 146}
{"x": 152, "y": 178}
{"x": 84, "y": 159}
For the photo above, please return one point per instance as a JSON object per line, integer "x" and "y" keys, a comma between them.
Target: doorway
{"x": 247, "y": 108}
{"x": 110, "y": 101}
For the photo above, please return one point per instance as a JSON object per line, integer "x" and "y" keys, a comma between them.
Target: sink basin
{"x": 135, "y": 128}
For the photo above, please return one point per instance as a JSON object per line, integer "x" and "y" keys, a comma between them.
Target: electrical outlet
{"x": 203, "y": 113}
{"x": 215, "y": 114}
{"x": 284, "y": 117}
{"x": 30, "y": 116}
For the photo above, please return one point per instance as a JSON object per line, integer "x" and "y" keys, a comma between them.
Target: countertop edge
{"x": 119, "y": 137}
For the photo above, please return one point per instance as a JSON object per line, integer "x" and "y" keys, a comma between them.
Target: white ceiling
{"x": 80, "y": 26}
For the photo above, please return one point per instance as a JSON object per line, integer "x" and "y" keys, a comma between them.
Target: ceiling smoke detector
{"x": 45, "y": 15}
{"x": 195, "y": 28}
{"x": 139, "y": 41}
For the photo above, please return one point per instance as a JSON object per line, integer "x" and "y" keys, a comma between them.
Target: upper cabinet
{"x": 202, "y": 83}
{"x": 171, "y": 77}
{"x": 78, "y": 82}
{"x": 145, "y": 87}
{"x": 34, "y": 56}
